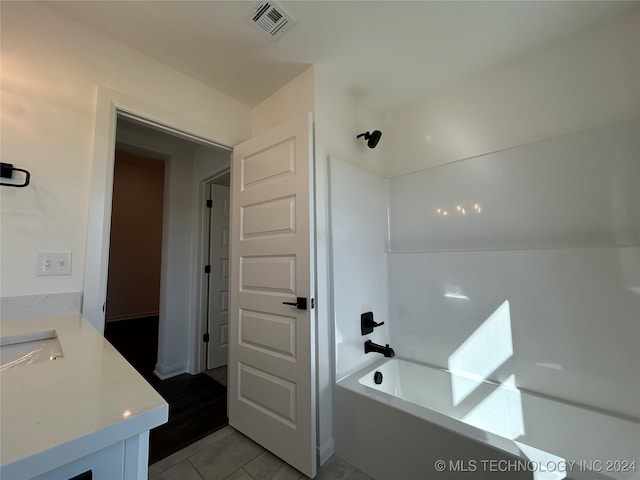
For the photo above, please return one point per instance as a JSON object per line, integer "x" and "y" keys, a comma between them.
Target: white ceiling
{"x": 392, "y": 52}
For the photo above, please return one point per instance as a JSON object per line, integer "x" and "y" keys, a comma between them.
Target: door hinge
{"x": 205, "y": 338}
{"x": 209, "y": 203}
{"x": 313, "y": 303}
{"x": 207, "y": 269}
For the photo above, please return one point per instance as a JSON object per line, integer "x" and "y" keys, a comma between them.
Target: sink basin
{"x": 27, "y": 349}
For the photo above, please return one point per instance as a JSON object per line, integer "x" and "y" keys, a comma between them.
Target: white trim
{"x": 136, "y": 457}
{"x": 130, "y": 316}
{"x": 164, "y": 372}
{"x": 135, "y": 118}
{"x": 325, "y": 451}
{"x": 97, "y": 252}
{"x": 324, "y": 309}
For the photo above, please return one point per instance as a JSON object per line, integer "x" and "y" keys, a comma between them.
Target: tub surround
{"x": 358, "y": 246}
{"x": 90, "y": 404}
{"x": 552, "y": 227}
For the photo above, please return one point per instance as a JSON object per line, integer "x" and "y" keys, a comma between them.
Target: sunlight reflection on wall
{"x": 501, "y": 411}
{"x": 480, "y": 354}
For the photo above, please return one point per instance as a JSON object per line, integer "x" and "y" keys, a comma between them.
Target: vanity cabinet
{"x": 89, "y": 410}
{"x": 126, "y": 460}
{"x": 107, "y": 464}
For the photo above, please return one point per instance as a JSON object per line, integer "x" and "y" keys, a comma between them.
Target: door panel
{"x": 273, "y": 395}
{"x": 272, "y": 334}
{"x": 274, "y": 163}
{"x": 272, "y": 345}
{"x": 268, "y": 274}
{"x": 274, "y": 217}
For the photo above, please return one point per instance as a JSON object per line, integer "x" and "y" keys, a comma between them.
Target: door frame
{"x": 109, "y": 106}
{"x": 200, "y": 350}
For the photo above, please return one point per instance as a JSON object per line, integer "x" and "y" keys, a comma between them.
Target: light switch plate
{"x": 53, "y": 263}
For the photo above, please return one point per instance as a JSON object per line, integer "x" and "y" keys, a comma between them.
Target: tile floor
{"x": 229, "y": 455}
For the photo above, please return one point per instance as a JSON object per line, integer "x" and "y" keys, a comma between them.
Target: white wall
{"x": 585, "y": 81}
{"x": 358, "y": 244}
{"x": 295, "y": 98}
{"x": 339, "y": 117}
{"x": 51, "y": 67}
{"x": 208, "y": 160}
{"x": 557, "y": 235}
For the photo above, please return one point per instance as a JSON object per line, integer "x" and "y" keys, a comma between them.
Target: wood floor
{"x": 197, "y": 403}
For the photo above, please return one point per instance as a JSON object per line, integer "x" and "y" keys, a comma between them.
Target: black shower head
{"x": 372, "y": 138}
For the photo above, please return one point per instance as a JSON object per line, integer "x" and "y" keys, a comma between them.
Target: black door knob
{"x": 300, "y": 304}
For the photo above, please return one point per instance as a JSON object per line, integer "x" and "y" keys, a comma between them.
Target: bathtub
{"x": 398, "y": 420}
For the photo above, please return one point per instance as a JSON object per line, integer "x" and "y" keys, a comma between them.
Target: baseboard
{"x": 130, "y": 316}
{"x": 29, "y": 306}
{"x": 325, "y": 451}
{"x": 163, "y": 372}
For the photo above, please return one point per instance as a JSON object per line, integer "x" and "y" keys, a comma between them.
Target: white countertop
{"x": 54, "y": 412}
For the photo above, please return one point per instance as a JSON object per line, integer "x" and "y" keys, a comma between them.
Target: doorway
{"x": 187, "y": 164}
{"x": 154, "y": 338}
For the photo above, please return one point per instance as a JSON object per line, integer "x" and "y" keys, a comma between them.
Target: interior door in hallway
{"x": 272, "y": 330}
{"x": 219, "y": 276}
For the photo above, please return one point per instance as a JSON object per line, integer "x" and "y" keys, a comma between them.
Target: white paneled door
{"x": 219, "y": 277}
{"x": 272, "y": 331}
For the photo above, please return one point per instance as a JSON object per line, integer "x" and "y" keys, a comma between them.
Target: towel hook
{"x": 6, "y": 171}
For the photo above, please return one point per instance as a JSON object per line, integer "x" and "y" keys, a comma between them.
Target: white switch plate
{"x": 53, "y": 263}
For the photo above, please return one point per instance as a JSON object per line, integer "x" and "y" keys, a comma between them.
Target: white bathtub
{"x": 407, "y": 427}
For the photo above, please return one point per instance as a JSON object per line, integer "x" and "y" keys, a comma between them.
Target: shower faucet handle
{"x": 367, "y": 323}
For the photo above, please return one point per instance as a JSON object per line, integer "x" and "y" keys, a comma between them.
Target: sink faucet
{"x": 387, "y": 351}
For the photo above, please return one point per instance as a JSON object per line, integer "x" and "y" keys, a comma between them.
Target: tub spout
{"x": 387, "y": 351}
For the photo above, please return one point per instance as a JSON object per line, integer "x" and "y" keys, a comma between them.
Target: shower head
{"x": 372, "y": 138}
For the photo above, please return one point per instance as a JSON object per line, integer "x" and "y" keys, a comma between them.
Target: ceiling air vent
{"x": 270, "y": 19}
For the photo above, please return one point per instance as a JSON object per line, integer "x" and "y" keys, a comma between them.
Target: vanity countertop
{"x": 54, "y": 412}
